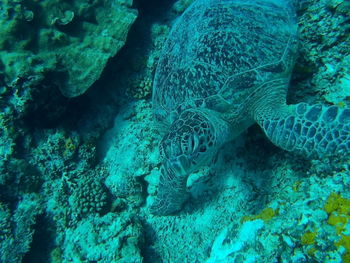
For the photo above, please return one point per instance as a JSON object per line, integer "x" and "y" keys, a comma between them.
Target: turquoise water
{"x": 156, "y": 131}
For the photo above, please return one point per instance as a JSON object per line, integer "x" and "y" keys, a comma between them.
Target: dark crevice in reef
{"x": 149, "y": 253}
{"x": 49, "y": 107}
{"x": 154, "y": 9}
{"x": 136, "y": 46}
{"x": 299, "y": 75}
{"x": 42, "y": 243}
{"x": 100, "y": 103}
{"x": 108, "y": 93}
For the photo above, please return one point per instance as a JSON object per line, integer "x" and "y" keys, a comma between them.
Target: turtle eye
{"x": 203, "y": 149}
{"x": 189, "y": 143}
{"x": 193, "y": 143}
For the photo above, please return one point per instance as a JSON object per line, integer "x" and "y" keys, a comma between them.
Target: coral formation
{"x": 19, "y": 228}
{"x": 338, "y": 209}
{"x": 324, "y": 49}
{"x": 89, "y": 196}
{"x": 111, "y": 238}
{"x": 138, "y": 156}
{"x": 83, "y": 184}
{"x": 5, "y": 223}
{"x": 69, "y": 42}
{"x": 308, "y": 238}
{"x": 266, "y": 215}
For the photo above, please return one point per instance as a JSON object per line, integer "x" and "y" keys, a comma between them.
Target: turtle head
{"x": 191, "y": 142}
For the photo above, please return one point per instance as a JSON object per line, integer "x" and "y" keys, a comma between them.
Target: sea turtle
{"x": 226, "y": 65}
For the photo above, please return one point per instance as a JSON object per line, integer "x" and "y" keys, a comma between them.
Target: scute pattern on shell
{"x": 206, "y": 54}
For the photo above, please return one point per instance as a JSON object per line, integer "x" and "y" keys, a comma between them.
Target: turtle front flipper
{"x": 315, "y": 130}
{"x": 172, "y": 193}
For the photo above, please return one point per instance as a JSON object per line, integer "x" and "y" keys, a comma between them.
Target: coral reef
{"x": 5, "y": 223}
{"x": 139, "y": 156}
{"x": 111, "y": 238}
{"x": 68, "y": 42}
{"x": 284, "y": 190}
{"x": 19, "y": 227}
{"x": 89, "y": 196}
{"x": 222, "y": 247}
{"x": 324, "y": 51}
{"x": 67, "y": 168}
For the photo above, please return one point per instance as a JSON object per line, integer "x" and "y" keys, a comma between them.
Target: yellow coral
{"x": 338, "y": 221}
{"x": 296, "y": 186}
{"x": 308, "y": 238}
{"x": 311, "y": 252}
{"x": 338, "y": 209}
{"x": 345, "y": 242}
{"x": 336, "y": 202}
{"x": 267, "y": 214}
{"x": 56, "y": 255}
{"x": 69, "y": 144}
{"x": 69, "y": 147}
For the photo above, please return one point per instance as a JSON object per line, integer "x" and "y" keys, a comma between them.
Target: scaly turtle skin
{"x": 225, "y": 66}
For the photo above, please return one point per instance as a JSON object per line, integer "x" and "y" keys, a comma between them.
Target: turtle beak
{"x": 180, "y": 165}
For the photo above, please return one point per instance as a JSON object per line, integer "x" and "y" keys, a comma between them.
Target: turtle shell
{"x": 226, "y": 50}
